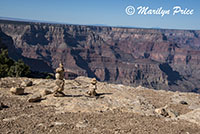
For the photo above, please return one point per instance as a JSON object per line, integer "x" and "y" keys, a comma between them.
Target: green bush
{"x": 48, "y": 77}
{"x": 9, "y": 67}
{"x": 19, "y": 69}
{"x": 3, "y": 70}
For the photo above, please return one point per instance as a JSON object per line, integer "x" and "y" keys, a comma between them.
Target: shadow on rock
{"x": 100, "y": 94}
{"x": 73, "y": 95}
{"x": 2, "y": 106}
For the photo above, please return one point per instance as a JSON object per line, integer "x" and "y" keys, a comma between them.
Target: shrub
{"x": 9, "y": 67}
{"x": 19, "y": 69}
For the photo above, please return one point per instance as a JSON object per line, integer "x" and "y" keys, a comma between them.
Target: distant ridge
{"x": 98, "y": 25}
{"x": 29, "y": 20}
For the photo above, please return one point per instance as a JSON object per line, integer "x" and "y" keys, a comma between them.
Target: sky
{"x": 104, "y": 12}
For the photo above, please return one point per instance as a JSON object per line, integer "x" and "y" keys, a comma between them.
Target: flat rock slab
{"x": 35, "y": 98}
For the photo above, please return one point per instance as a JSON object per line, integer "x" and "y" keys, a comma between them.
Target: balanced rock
{"x": 27, "y": 83}
{"x": 17, "y": 90}
{"x": 35, "y": 98}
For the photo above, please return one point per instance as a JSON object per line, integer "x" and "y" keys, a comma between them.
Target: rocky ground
{"x": 118, "y": 109}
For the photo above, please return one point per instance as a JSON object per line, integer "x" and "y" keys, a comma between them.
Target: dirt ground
{"x": 22, "y": 117}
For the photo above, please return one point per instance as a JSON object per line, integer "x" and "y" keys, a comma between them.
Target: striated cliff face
{"x": 159, "y": 59}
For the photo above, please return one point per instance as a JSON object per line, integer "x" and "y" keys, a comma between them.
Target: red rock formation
{"x": 160, "y": 59}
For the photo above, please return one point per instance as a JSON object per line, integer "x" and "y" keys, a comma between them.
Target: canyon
{"x": 153, "y": 58}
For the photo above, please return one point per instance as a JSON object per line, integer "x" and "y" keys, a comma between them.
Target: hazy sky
{"x": 106, "y": 12}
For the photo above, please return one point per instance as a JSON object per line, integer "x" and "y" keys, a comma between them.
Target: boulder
{"x": 17, "y": 90}
{"x": 35, "y": 98}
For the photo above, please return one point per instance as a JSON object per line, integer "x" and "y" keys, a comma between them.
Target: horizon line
{"x": 97, "y": 25}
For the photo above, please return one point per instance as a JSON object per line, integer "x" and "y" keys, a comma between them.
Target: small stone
{"x": 58, "y": 123}
{"x": 59, "y": 94}
{"x": 10, "y": 119}
{"x": 29, "y": 106}
{"x": 164, "y": 111}
{"x": 183, "y": 102}
{"x": 172, "y": 114}
{"x": 81, "y": 125}
{"x": 57, "y": 75}
{"x": 8, "y": 132}
{"x": 35, "y": 98}
{"x": 51, "y": 125}
{"x": 27, "y": 83}
{"x": 1, "y": 105}
{"x": 38, "y": 125}
{"x": 17, "y": 90}
{"x": 161, "y": 111}
{"x": 95, "y": 130}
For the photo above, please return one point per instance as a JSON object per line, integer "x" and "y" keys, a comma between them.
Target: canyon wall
{"x": 154, "y": 58}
